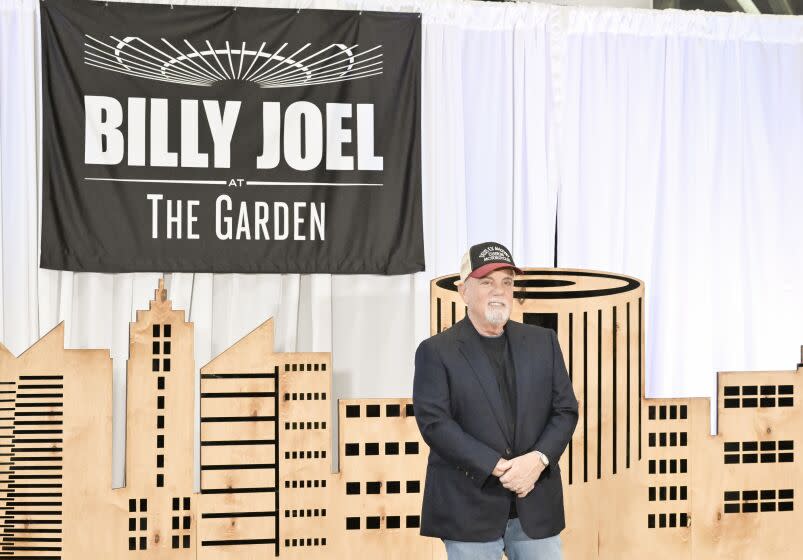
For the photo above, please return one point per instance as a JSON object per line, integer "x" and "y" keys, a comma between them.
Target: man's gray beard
{"x": 497, "y": 316}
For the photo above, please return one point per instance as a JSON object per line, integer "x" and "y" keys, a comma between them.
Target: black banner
{"x": 215, "y": 139}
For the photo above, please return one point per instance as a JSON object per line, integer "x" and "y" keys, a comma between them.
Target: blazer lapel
{"x": 519, "y": 350}
{"x": 470, "y": 347}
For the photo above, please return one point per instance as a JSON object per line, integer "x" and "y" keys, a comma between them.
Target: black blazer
{"x": 459, "y": 412}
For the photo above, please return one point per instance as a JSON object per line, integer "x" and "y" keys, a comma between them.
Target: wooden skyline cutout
{"x": 646, "y": 477}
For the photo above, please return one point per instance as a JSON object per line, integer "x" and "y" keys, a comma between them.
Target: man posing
{"x": 495, "y": 405}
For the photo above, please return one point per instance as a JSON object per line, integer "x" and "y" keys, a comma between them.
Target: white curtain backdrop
{"x": 672, "y": 139}
{"x": 681, "y": 165}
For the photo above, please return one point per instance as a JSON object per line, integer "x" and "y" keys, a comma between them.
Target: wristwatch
{"x": 543, "y": 457}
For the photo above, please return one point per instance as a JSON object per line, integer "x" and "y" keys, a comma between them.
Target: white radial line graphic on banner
{"x": 267, "y": 68}
{"x": 184, "y": 181}
{"x": 333, "y": 72}
{"x": 129, "y": 63}
{"x": 256, "y": 57}
{"x": 248, "y": 75}
{"x": 214, "y": 53}
{"x": 301, "y": 68}
{"x": 157, "y": 67}
{"x": 183, "y": 57}
{"x": 330, "y": 68}
{"x": 214, "y": 70}
{"x": 242, "y": 56}
{"x": 228, "y": 53}
{"x": 281, "y": 61}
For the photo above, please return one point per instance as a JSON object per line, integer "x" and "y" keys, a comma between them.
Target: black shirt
{"x": 498, "y": 351}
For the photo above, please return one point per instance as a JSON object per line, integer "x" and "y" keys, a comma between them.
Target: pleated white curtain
{"x": 681, "y": 164}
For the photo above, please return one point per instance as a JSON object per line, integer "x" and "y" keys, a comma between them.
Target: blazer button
{"x": 466, "y": 473}
{"x": 508, "y": 451}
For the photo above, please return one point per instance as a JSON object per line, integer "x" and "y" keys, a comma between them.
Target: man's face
{"x": 490, "y": 297}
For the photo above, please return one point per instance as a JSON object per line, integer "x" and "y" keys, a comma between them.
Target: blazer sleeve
{"x": 431, "y": 402}
{"x": 560, "y": 427}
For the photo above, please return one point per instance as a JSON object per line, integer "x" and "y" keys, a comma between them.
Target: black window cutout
{"x": 673, "y": 520}
{"x": 352, "y": 488}
{"x": 372, "y": 410}
{"x": 767, "y": 506}
{"x": 175, "y": 504}
{"x": 391, "y": 448}
{"x": 749, "y": 507}
{"x": 143, "y": 504}
{"x": 731, "y": 390}
{"x": 767, "y": 494}
{"x": 651, "y": 493}
{"x": 684, "y": 493}
{"x": 186, "y": 524}
{"x": 143, "y": 543}
{"x": 143, "y": 523}
{"x": 786, "y": 457}
{"x": 651, "y": 412}
{"x": 731, "y": 446}
{"x": 372, "y": 522}
{"x": 749, "y": 494}
{"x": 673, "y": 439}
{"x": 156, "y": 330}
{"x": 160, "y": 422}
{"x": 413, "y": 521}
{"x": 352, "y": 411}
{"x": 166, "y": 364}
{"x": 186, "y": 541}
{"x": 411, "y": 448}
{"x": 392, "y": 410}
{"x": 785, "y": 401}
{"x": 768, "y": 445}
{"x": 768, "y": 389}
{"x": 683, "y": 416}
{"x": 786, "y": 444}
{"x": 132, "y": 543}
{"x": 651, "y": 439}
{"x": 167, "y": 331}
{"x": 786, "y": 494}
{"x": 352, "y": 449}
{"x": 684, "y": 439}
{"x": 373, "y": 487}
{"x": 683, "y": 519}
{"x": 393, "y": 487}
{"x": 408, "y": 410}
{"x": 662, "y": 412}
{"x": 651, "y": 521}
{"x": 132, "y": 524}
{"x": 785, "y": 506}
{"x": 155, "y": 347}
{"x": 160, "y": 383}
{"x": 662, "y": 520}
{"x": 160, "y": 441}
{"x": 175, "y": 541}
{"x": 175, "y": 522}
{"x": 731, "y": 495}
{"x": 393, "y": 522}
{"x": 673, "y": 492}
{"x": 662, "y": 493}
{"x": 372, "y": 449}
{"x": 352, "y": 523}
{"x": 731, "y": 459}
{"x": 750, "y": 390}
{"x": 132, "y": 505}
{"x": 651, "y": 466}
{"x": 160, "y": 480}
{"x": 155, "y": 364}
{"x": 166, "y": 347}
{"x": 673, "y": 412}
{"x": 673, "y": 466}
{"x": 413, "y": 486}
{"x": 750, "y": 458}
{"x": 662, "y": 439}
{"x": 767, "y": 402}
{"x": 160, "y": 402}
{"x": 785, "y": 389}
{"x": 732, "y": 403}
{"x": 749, "y": 446}
{"x": 731, "y": 508}
{"x": 750, "y": 403}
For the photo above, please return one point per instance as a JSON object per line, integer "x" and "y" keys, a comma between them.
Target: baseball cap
{"x": 482, "y": 259}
